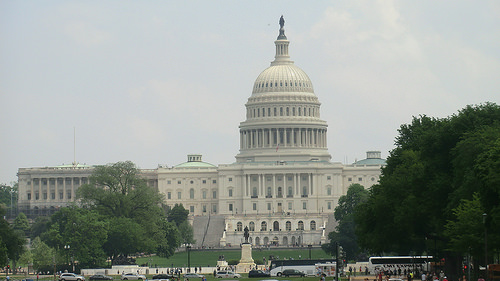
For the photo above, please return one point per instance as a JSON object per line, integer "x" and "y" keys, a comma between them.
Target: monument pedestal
{"x": 246, "y": 261}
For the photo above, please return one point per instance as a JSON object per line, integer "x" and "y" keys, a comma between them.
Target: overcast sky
{"x": 153, "y": 81}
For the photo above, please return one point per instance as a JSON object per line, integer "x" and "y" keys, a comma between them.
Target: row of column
{"x": 249, "y": 185}
{"x": 68, "y": 186}
{"x": 285, "y": 137}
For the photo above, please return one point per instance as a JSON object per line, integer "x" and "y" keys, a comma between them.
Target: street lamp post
{"x": 310, "y": 247}
{"x": 485, "y": 247}
{"x": 188, "y": 247}
{"x": 67, "y": 247}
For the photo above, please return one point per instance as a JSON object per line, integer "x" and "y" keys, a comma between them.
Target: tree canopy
{"x": 436, "y": 165}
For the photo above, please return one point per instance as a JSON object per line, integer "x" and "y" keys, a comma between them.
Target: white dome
{"x": 282, "y": 78}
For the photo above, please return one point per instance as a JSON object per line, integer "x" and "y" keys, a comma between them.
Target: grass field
{"x": 210, "y": 257}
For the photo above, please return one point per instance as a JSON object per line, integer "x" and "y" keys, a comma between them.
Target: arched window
{"x": 288, "y": 226}
{"x": 280, "y": 192}
{"x": 191, "y": 193}
{"x": 230, "y": 192}
{"x": 313, "y": 225}
{"x": 263, "y": 226}
{"x": 290, "y": 192}
{"x": 254, "y": 192}
{"x": 276, "y": 226}
{"x": 239, "y": 226}
{"x": 329, "y": 191}
{"x": 257, "y": 241}
{"x": 300, "y": 225}
{"x": 251, "y": 226}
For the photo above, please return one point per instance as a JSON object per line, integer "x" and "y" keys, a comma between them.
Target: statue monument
{"x": 246, "y": 262}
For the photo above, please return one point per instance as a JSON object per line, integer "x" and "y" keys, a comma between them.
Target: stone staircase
{"x": 207, "y": 230}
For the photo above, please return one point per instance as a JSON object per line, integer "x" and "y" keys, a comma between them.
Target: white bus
{"x": 399, "y": 264}
{"x": 309, "y": 267}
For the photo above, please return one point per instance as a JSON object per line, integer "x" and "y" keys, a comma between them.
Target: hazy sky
{"x": 152, "y": 81}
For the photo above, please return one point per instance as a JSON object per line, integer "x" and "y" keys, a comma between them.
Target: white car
{"x": 71, "y": 277}
{"x": 227, "y": 274}
{"x": 133, "y": 276}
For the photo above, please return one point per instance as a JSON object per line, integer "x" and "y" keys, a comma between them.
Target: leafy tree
{"x": 11, "y": 241}
{"x": 437, "y": 163}
{"x": 82, "y": 230}
{"x": 186, "y": 233}
{"x": 177, "y": 214}
{"x": 39, "y": 226}
{"x": 43, "y": 255}
{"x": 344, "y": 214}
{"x": 8, "y": 196}
{"x": 131, "y": 209}
{"x": 21, "y": 223}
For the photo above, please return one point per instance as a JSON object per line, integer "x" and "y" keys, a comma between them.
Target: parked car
{"x": 292, "y": 272}
{"x": 133, "y": 276}
{"x": 163, "y": 276}
{"x": 71, "y": 277}
{"x": 258, "y": 273}
{"x": 227, "y": 274}
{"x": 193, "y": 275}
{"x": 100, "y": 277}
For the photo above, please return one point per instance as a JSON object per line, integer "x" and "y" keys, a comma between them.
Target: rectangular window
{"x": 169, "y": 195}
{"x": 45, "y": 195}
{"x": 178, "y": 182}
{"x": 204, "y": 194}
{"x": 169, "y": 182}
{"x": 52, "y": 195}
{"x": 214, "y": 208}
{"x": 191, "y": 209}
{"x": 329, "y": 205}
{"x": 29, "y": 196}
{"x": 230, "y": 193}
{"x": 290, "y": 205}
{"x": 349, "y": 179}
{"x": 254, "y": 206}
{"x": 269, "y": 206}
{"x": 68, "y": 194}
{"x": 230, "y": 179}
{"x": 214, "y": 181}
{"x": 304, "y": 205}
{"x": 329, "y": 177}
{"x": 179, "y": 195}
{"x": 204, "y": 181}
{"x": 204, "y": 208}
{"x": 231, "y": 207}
{"x": 61, "y": 195}
{"x": 360, "y": 179}
{"x": 214, "y": 194}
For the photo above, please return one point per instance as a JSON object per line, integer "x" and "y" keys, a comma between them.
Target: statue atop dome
{"x": 282, "y": 30}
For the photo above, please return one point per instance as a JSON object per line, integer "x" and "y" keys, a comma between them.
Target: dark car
{"x": 258, "y": 273}
{"x": 163, "y": 276}
{"x": 100, "y": 277}
{"x": 292, "y": 272}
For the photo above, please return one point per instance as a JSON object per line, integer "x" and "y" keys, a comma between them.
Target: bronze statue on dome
{"x": 282, "y": 22}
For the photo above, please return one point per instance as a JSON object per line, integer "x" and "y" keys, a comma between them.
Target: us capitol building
{"x": 282, "y": 186}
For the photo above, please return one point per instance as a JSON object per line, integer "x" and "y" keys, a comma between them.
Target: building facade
{"x": 283, "y": 186}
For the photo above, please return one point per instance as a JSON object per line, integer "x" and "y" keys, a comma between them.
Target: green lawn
{"x": 209, "y": 257}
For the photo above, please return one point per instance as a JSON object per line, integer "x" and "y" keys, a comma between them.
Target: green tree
{"x": 80, "y": 229}
{"x": 11, "y": 241}
{"x": 131, "y": 209}
{"x": 8, "y": 197}
{"x": 437, "y": 163}
{"x": 21, "y": 223}
{"x": 344, "y": 234}
{"x": 177, "y": 214}
{"x": 186, "y": 233}
{"x": 43, "y": 255}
